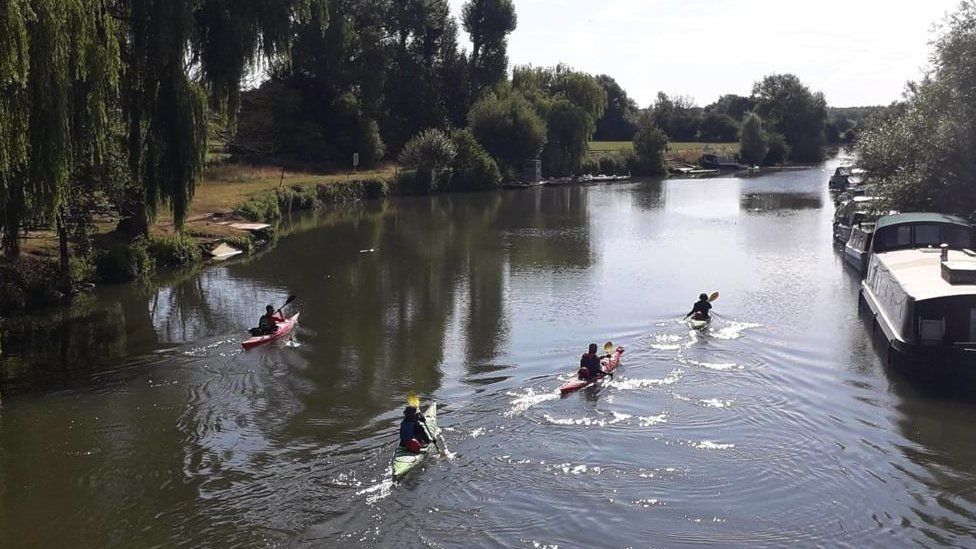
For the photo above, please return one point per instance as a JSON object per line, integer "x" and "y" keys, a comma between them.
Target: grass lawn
{"x": 226, "y": 186}
{"x": 680, "y": 151}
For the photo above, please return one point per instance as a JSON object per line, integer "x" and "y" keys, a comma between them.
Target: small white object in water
{"x": 369, "y": 251}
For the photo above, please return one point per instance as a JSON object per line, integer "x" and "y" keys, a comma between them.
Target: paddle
{"x": 292, "y": 298}
{"x": 607, "y": 348}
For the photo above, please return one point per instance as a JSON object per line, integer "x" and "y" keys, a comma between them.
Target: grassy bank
{"x": 688, "y": 153}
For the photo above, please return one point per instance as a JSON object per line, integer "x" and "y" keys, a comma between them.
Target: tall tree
{"x": 922, "y": 152}
{"x": 789, "y": 108}
{"x": 752, "y": 143}
{"x": 62, "y": 59}
{"x": 619, "y": 123}
{"x": 488, "y": 22}
{"x": 166, "y": 109}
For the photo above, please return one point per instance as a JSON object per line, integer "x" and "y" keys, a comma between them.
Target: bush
{"x": 81, "y": 269}
{"x": 509, "y": 129}
{"x": 649, "y": 146}
{"x": 174, "y": 251}
{"x": 430, "y": 149}
{"x": 261, "y": 207}
{"x": 123, "y": 262}
{"x": 778, "y": 151}
{"x": 752, "y": 143}
{"x": 473, "y": 168}
{"x": 590, "y": 166}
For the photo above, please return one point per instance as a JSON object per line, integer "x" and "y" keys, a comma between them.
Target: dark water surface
{"x": 145, "y": 425}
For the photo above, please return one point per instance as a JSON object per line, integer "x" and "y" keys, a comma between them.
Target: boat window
{"x": 931, "y": 331}
{"x": 901, "y": 236}
{"x": 928, "y": 235}
{"x": 958, "y": 237}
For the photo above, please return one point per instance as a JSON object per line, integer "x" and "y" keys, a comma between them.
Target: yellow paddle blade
{"x": 714, "y": 297}
{"x": 413, "y": 400}
{"x": 608, "y": 347}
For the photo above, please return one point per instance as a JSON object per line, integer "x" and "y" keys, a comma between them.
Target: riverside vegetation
{"x": 113, "y": 111}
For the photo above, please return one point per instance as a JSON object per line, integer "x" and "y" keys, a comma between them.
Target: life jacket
{"x": 407, "y": 430}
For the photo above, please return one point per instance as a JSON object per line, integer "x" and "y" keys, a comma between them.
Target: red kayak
{"x": 284, "y": 329}
{"x": 608, "y": 365}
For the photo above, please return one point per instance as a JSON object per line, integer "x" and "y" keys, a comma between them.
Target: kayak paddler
{"x": 701, "y": 309}
{"x": 269, "y": 321}
{"x": 413, "y": 430}
{"x": 590, "y": 364}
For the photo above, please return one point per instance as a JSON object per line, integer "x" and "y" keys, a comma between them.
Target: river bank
{"x": 233, "y": 213}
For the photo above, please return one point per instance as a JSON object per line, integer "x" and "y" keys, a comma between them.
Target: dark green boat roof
{"x": 911, "y": 218}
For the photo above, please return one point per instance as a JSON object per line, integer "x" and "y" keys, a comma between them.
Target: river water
{"x": 138, "y": 422}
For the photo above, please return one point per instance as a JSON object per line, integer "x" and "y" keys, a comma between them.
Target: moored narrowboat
{"x": 920, "y": 289}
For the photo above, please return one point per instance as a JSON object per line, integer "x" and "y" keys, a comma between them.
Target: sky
{"x": 857, "y": 52}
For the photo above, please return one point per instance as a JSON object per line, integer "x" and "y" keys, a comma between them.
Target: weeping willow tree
{"x": 183, "y": 58}
{"x": 76, "y": 74}
{"x": 59, "y": 67}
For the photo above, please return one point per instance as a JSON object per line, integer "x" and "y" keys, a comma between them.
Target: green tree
{"x": 789, "y": 108}
{"x": 752, "y": 142}
{"x": 473, "y": 168}
{"x": 733, "y": 105}
{"x": 650, "y": 143}
{"x": 59, "y": 63}
{"x": 509, "y": 129}
{"x": 619, "y": 122}
{"x": 428, "y": 152}
{"x": 488, "y": 23}
{"x": 718, "y": 128}
{"x": 923, "y": 152}
{"x": 678, "y": 117}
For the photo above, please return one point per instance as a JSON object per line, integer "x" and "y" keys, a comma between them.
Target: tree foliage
{"x": 789, "y": 108}
{"x": 752, "y": 142}
{"x": 619, "y": 122}
{"x": 923, "y": 152}
{"x": 678, "y": 117}
{"x": 488, "y": 22}
{"x": 509, "y": 129}
{"x": 571, "y": 103}
{"x": 650, "y": 143}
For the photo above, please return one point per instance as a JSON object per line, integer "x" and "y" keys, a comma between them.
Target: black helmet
{"x": 593, "y": 348}
{"x": 703, "y": 297}
{"x": 409, "y": 411}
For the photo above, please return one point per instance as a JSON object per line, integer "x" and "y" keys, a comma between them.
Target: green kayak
{"x": 404, "y": 460}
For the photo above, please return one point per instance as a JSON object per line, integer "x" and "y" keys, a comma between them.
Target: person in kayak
{"x": 701, "y": 309}
{"x": 269, "y": 321}
{"x": 590, "y": 364}
{"x": 413, "y": 430}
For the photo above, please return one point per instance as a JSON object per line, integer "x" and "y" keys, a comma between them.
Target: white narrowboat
{"x": 920, "y": 288}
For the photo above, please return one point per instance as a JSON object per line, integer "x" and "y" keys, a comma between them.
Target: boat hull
{"x": 608, "y": 367}
{"x": 284, "y": 329}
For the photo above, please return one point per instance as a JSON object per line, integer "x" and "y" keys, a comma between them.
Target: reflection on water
{"x": 136, "y": 420}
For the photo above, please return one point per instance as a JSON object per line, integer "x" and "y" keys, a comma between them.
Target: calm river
{"x": 138, "y": 422}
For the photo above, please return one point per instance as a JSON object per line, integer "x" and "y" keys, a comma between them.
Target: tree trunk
{"x": 63, "y": 251}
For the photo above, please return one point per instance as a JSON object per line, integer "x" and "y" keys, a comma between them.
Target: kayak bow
{"x": 404, "y": 460}
{"x": 284, "y": 329}
{"x": 608, "y": 365}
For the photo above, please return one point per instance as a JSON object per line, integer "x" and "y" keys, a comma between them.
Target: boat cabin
{"x": 855, "y": 211}
{"x": 857, "y": 251}
{"x": 920, "y": 230}
{"x": 841, "y": 178}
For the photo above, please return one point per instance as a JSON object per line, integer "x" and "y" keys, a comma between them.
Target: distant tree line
{"x": 922, "y": 151}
